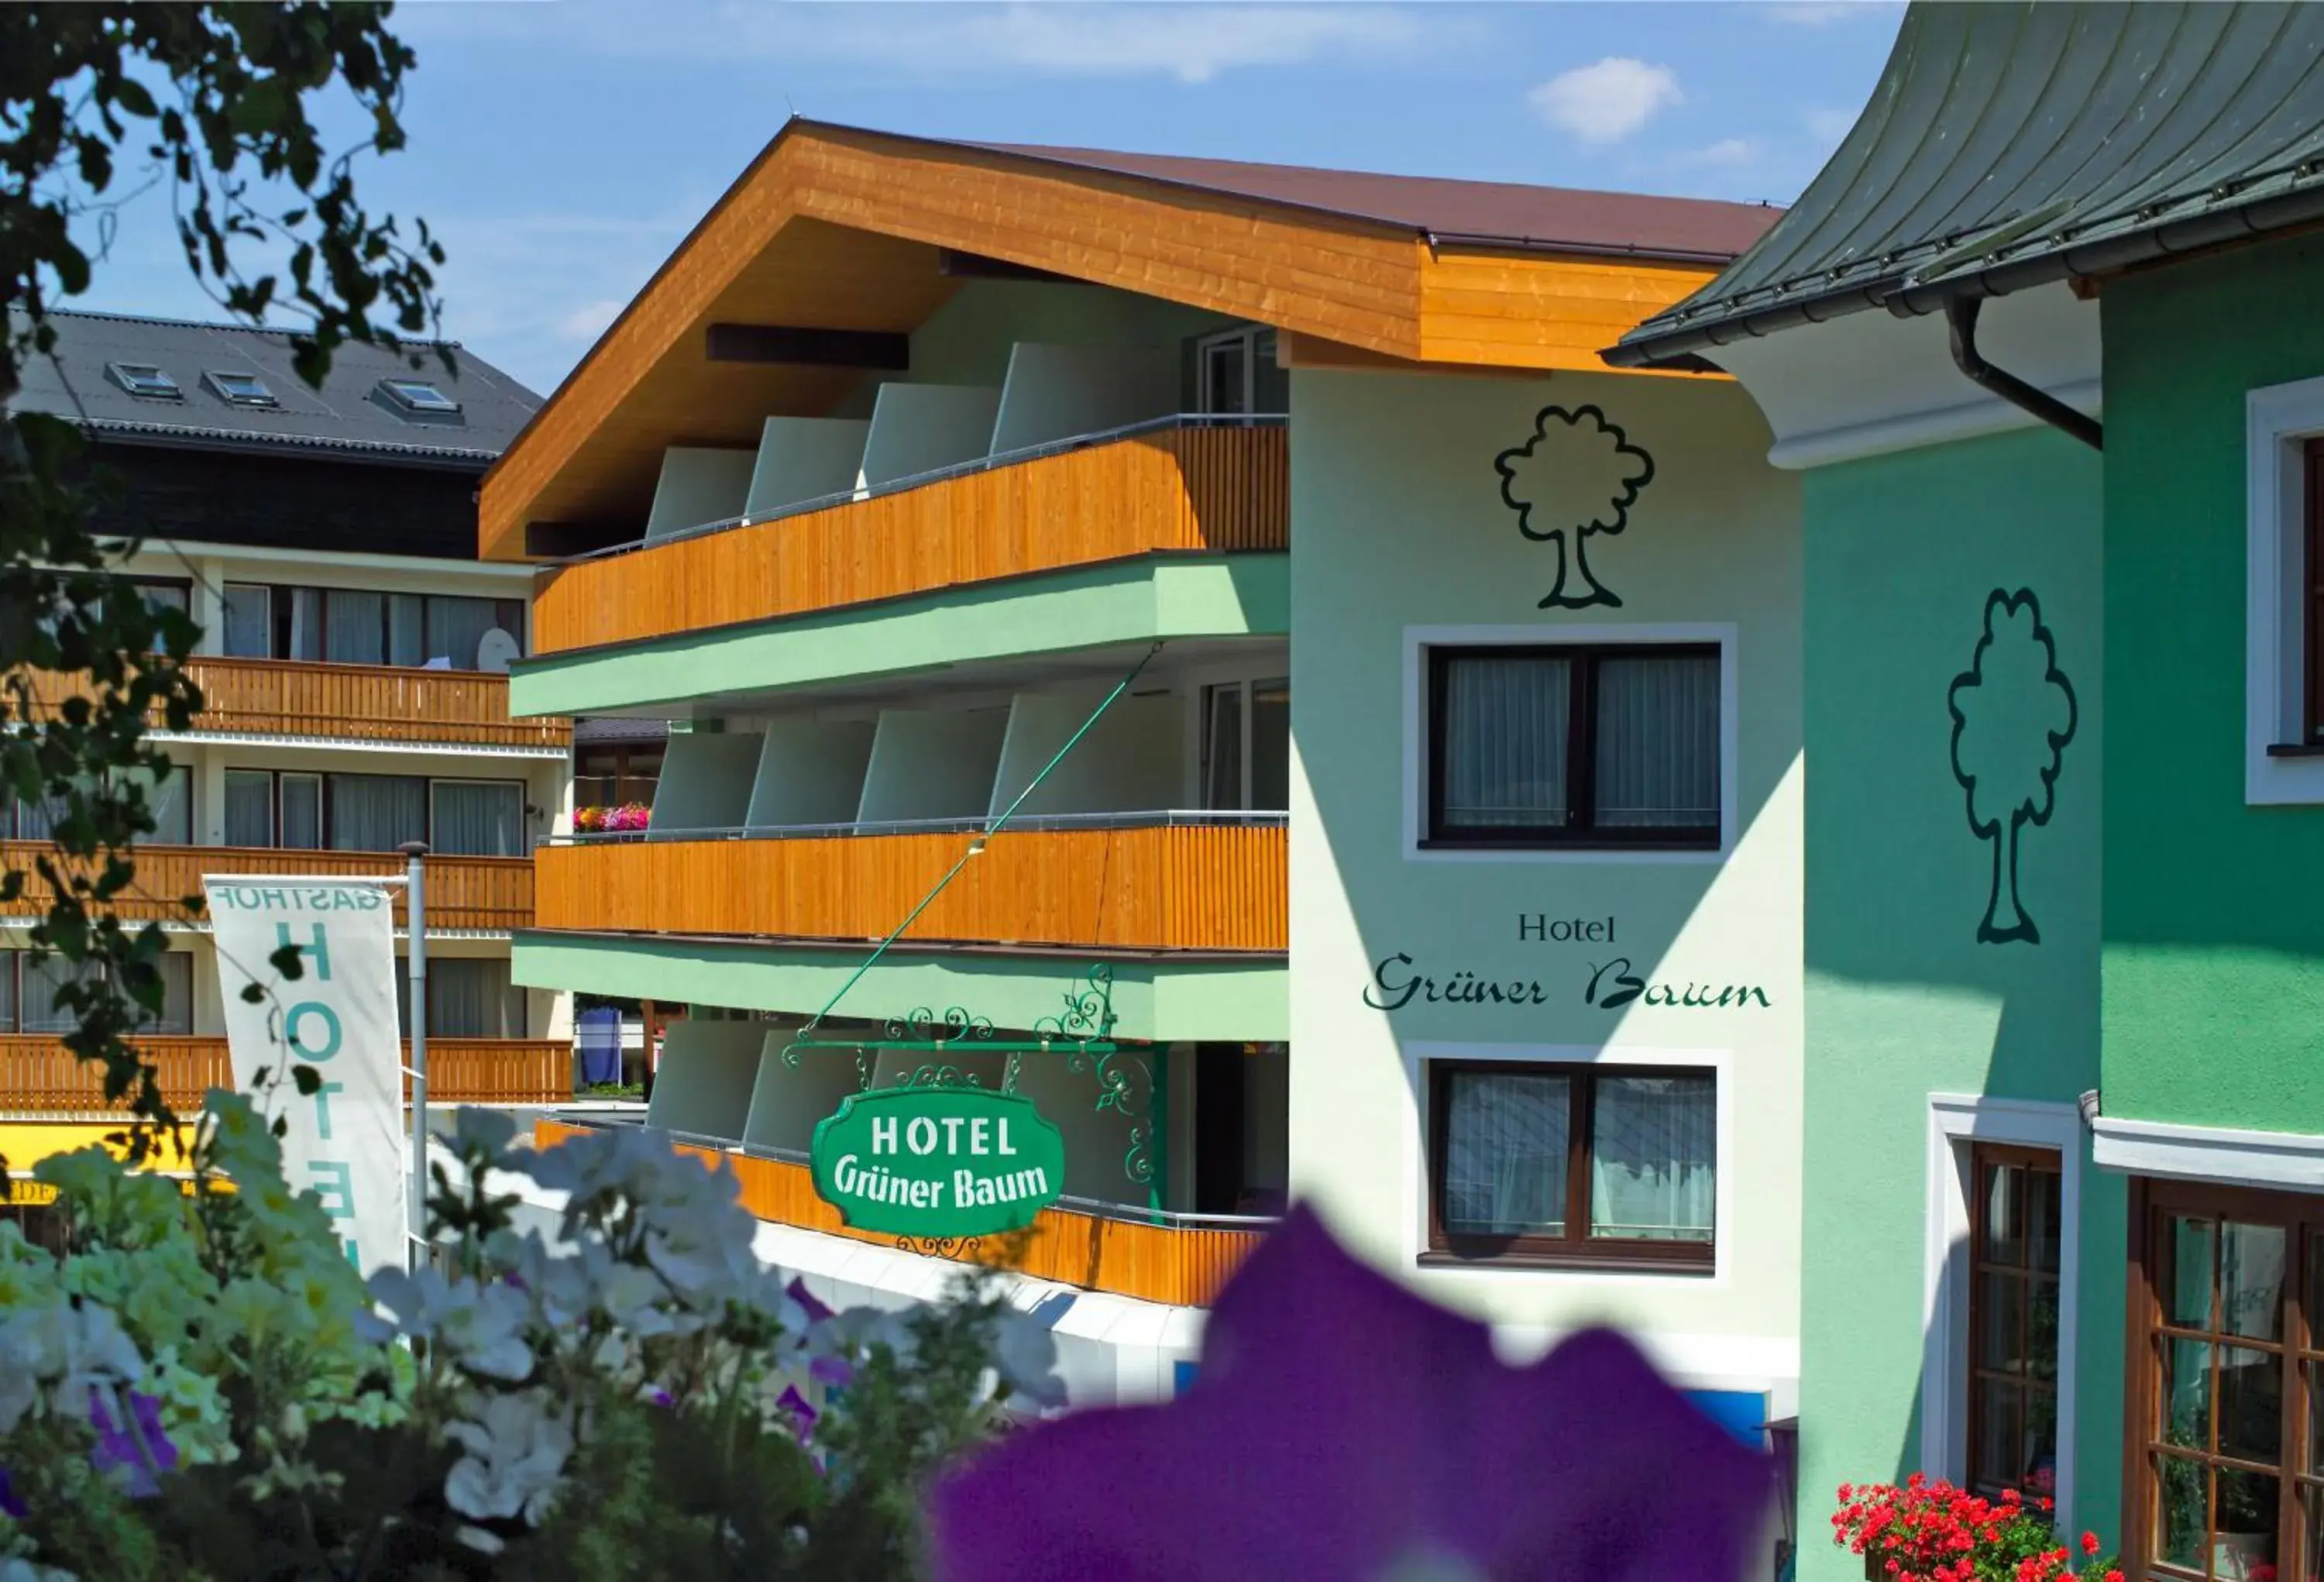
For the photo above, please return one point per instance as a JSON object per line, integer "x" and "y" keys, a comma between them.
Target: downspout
{"x": 1960, "y": 315}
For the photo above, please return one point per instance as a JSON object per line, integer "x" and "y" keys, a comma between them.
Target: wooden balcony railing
{"x": 1162, "y": 887}
{"x": 373, "y": 703}
{"x": 1192, "y": 488}
{"x": 463, "y": 893}
{"x": 38, "y": 1076}
{"x": 1183, "y": 1265}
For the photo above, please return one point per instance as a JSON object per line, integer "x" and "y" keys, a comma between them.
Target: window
{"x": 2283, "y": 615}
{"x": 2229, "y": 1296}
{"x": 1246, "y": 749}
{"x": 420, "y": 397}
{"x": 374, "y": 812}
{"x": 1585, "y": 1164}
{"x": 238, "y": 389}
{"x": 2012, "y": 1320}
{"x": 1236, "y": 374}
{"x": 468, "y": 996}
{"x": 143, "y": 379}
{"x": 30, "y": 991}
{"x": 610, "y": 775}
{"x": 249, "y": 621}
{"x": 477, "y": 818}
{"x": 249, "y": 807}
{"x": 1596, "y": 745}
{"x": 343, "y": 626}
{"x": 304, "y": 812}
{"x": 169, "y": 802}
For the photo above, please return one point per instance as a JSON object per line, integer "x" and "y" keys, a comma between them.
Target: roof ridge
{"x": 172, "y": 323}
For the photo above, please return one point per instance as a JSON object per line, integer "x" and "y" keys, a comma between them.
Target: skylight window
{"x": 144, "y": 379}
{"x": 239, "y": 389}
{"x": 418, "y": 395}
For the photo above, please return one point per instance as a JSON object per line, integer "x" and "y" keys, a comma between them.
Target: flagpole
{"x": 416, "y": 926}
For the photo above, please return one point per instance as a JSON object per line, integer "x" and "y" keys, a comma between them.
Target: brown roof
{"x": 1554, "y": 218}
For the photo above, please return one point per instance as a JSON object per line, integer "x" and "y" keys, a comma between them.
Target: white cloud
{"x": 1607, "y": 102}
{"x": 1829, "y": 126}
{"x": 1194, "y": 43}
{"x": 588, "y": 321}
{"x": 1823, "y": 12}
{"x": 1727, "y": 151}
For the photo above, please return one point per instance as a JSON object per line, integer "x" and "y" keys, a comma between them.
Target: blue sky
{"x": 561, "y": 148}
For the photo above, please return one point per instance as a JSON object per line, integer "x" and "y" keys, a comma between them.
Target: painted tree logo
{"x": 1576, "y": 477}
{"x": 2014, "y": 712}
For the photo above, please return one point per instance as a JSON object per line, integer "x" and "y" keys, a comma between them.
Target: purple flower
{"x": 833, "y": 1371}
{"x": 795, "y": 1406}
{"x": 814, "y": 1309}
{"x": 10, "y": 1505}
{"x": 1342, "y": 1427}
{"x": 140, "y": 1450}
{"x": 658, "y": 1396}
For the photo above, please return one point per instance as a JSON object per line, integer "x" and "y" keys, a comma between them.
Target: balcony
{"x": 1132, "y": 881}
{"x": 38, "y": 1076}
{"x": 299, "y": 698}
{"x": 484, "y": 894}
{"x": 1178, "y": 1259}
{"x": 1174, "y": 486}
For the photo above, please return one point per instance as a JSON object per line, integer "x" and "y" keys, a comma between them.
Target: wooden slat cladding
{"x": 1184, "y": 1267}
{"x": 463, "y": 893}
{"x": 381, "y": 703}
{"x": 1525, "y": 310}
{"x": 1202, "y": 887}
{"x": 1219, "y": 489}
{"x": 38, "y": 1076}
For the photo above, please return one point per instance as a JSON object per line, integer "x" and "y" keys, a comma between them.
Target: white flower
{"x": 481, "y": 1327}
{"x": 68, "y": 1350}
{"x": 1025, "y": 1352}
{"x": 516, "y": 1452}
{"x": 488, "y": 1132}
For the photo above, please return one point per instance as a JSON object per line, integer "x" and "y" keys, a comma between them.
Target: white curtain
{"x": 1222, "y": 745}
{"x": 479, "y": 819}
{"x": 1654, "y": 1151}
{"x": 42, "y": 983}
{"x": 171, "y": 804}
{"x": 407, "y": 642}
{"x": 472, "y": 997}
{"x": 249, "y": 807}
{"x": 377, "y": 812}
{"x": 1659, "y": 742}
{"x": 176, "y": 993}
{"x": 306, "y": 622}
{"x": 249, "y": 621}
{"x": 302, "y": 811}
{"x": 456, "y": 625}
{"x": 356, "y": 628}
{"x": 1505, "y": 1153}
{"x": 1504, "y": 741}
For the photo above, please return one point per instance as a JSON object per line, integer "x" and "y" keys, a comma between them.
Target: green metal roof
{"x": 2008, "y": 146}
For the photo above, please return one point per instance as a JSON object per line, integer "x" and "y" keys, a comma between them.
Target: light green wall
{"x": 1152, "y": 598}
{"x": 1399, "y": 525}
{"x": 966, "y": 341}
{"x": 1902, "y": 552}
{"x": 2213, "y": 928}
{"x": 1230, "y": 1001}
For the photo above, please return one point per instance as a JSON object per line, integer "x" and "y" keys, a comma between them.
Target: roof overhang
{"x": 835, "y": 229}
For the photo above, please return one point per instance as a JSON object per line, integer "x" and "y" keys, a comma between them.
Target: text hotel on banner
{"x": 345, "y": 1141}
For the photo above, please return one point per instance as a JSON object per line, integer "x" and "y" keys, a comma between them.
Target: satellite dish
{"x": 495, "y": 649}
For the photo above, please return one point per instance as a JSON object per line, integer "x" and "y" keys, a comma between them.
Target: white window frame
{"x": 1956, "y": 1124}
{"x": 1419, "y": 640}
{"x": 2277, "y": 419}
{"x": 1718, "y": 1062}
{"x": 1251, "y": 336}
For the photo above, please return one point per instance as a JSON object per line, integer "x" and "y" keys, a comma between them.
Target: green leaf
{"x": 284, "y": 959}
{"x": 131, "y": 96}
{"x": 306, "y": 1080}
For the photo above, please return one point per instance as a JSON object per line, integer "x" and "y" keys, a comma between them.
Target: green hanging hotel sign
{"x": 937, "y": 1161}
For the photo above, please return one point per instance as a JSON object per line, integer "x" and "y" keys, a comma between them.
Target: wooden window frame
{"x": 1577, "y": 1249}
{"x": 1581, "y": 830}
{"x": 2049, "y": 1161}
{"x": 2301, "y": 1214}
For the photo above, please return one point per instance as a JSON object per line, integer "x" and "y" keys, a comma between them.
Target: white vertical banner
{"x": 344, "y": 1141}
